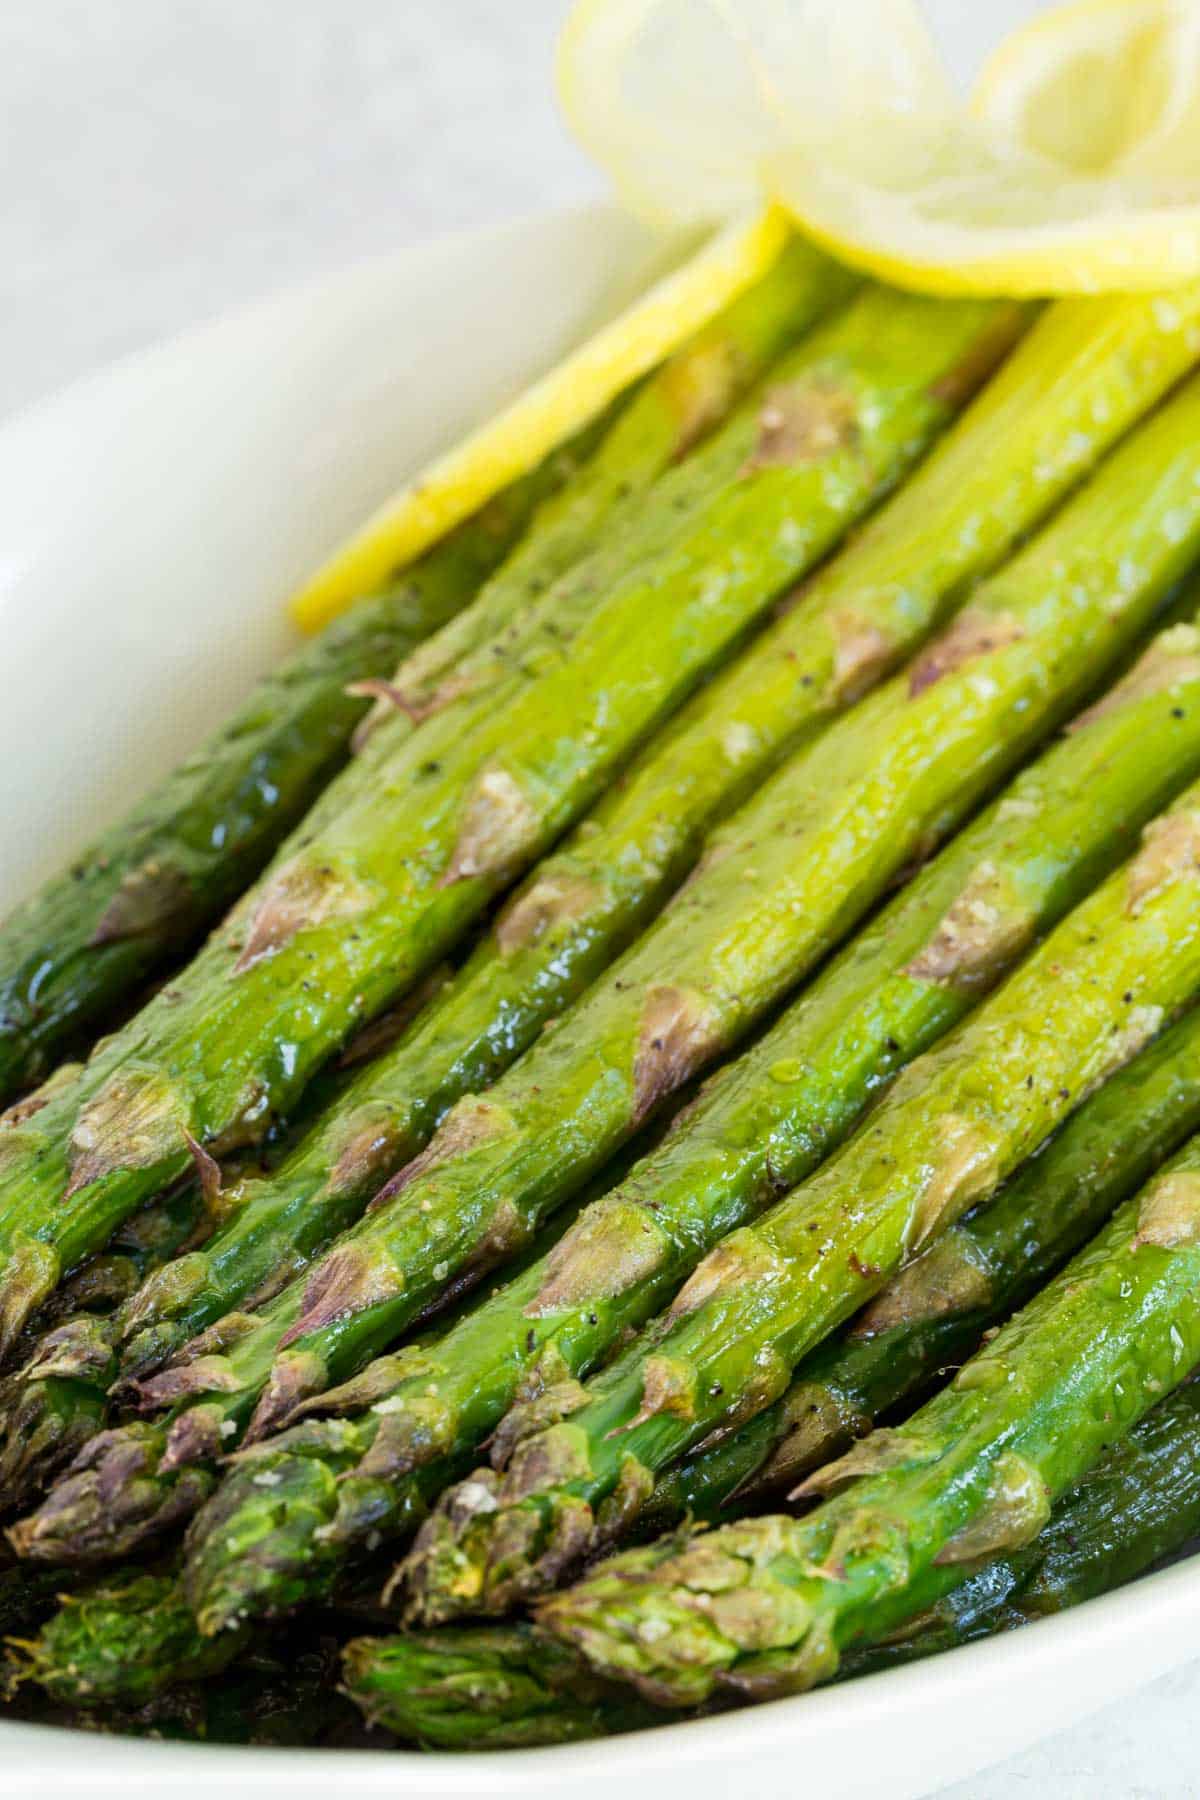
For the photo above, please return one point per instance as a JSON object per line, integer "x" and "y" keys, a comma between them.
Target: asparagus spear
{"x": 934, "y": 1312}
{"x": 495, "y": 1688}
{"x": 1138, "y": 1504}
{"x": 144, "y": 892}
{"x": 355, "y": 909}
{"x": 490, "y": 1688}
{"x": 299, "y": 1505}
{"x": 767, "y": 1606}
{"x": 788, "y": 876}
{"x": 956, "y": 1122}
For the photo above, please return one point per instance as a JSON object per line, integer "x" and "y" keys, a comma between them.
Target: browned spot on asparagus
{"x": 350, "y": 1278}
{"x": 557, "y": 899}
{"x": 974, "y": 633}
{"x": 1173, "y": 657}
{"x": 155, "y": 897}
{"x": 24, "y": 1109}
{"x": 298, "y": 898}
{"x": 610, "y": 1246}
{"x": 942, "y": 1282}
{"x": 466, "y": 1126}
{"x": 1170, "y": 852}
{"x": 801, "y": 422}
{"x": 1017, "y": 1507}
{"x": 1169, "y": 1214}
{"x": 881, "y": 1451}
{"x": 861, "y": 653}
{"x": 498, "y": 827}
{"x": 133, "y": 1122}
{"x": 967, "y": 1169}
{"x": 676, "y": 1036}
{"x": 979, "y": 934}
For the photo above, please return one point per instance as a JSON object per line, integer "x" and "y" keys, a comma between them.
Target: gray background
{"x": 165, "y": 161}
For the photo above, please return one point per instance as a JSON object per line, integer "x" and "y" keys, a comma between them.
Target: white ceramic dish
{"x": 151, "y": 521}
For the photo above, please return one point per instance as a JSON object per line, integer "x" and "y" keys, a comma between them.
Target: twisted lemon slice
{"x": 1076, "y": 167}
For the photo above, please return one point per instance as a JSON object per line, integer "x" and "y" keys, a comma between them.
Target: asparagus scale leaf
{"x": 413, "y": 843}
{"x": 783, "y": 881}
{"x": 298, "y": 1505}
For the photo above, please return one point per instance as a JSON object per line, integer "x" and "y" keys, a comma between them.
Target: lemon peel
{"x": 454, "y": 486}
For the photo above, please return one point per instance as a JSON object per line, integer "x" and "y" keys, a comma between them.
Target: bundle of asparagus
{"x": 690, "y": 784}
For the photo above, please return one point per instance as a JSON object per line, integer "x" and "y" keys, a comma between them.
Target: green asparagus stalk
{"x": 422, "y": 837}
{"x": 1138, "y": 1504}
{"x": 500, "y": 1687}
{"x": 143, "y": 893}
{"x": 956, "y": 1122}
{"x": 300, "y": 1504}
{"x": 768, "y": 1605}
{"x": 935, "y": 1311}
{"x": 786, "y": 878}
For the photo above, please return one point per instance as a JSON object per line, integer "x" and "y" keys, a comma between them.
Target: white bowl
{"x": 152, "y": 519}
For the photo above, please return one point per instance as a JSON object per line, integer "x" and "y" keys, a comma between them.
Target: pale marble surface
{"x": 162, "y": 163}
